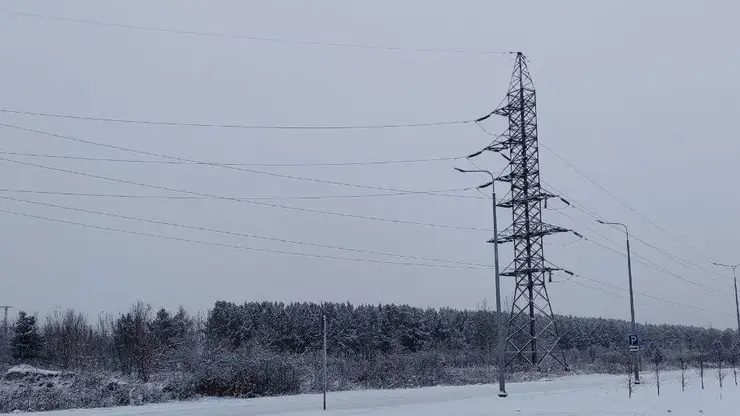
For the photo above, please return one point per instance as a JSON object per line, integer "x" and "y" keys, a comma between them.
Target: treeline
{"x": 138, "y": 342}
{"x": 267, "y": 348}
{"x": 466, "y": 337}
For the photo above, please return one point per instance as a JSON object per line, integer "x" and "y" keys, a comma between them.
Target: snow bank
{"x": 25, "y": 388}
{"x": 593, "y": 395}
{"x": 24, "y": 370}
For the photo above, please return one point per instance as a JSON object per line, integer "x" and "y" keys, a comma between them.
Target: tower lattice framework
{"x": 533, "y": 333}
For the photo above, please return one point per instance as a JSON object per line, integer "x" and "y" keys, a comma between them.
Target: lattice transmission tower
{"x": 533, "y": 333}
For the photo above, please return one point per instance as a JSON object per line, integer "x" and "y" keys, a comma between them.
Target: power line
{"x": 687, "y": 264}
{"x": 598, "y": 185}
{"x": 597, "y": 289}
{"x": 258, "y": 38}
{"x": 475, "y": 165}
{"x": 215, "y": 244}
{"x": 240, "y": 126}
{"x": 172, "y": 197}
{"x": 648, "y": 296}
{"x": 264, "y": 165}
{"x": 575, "y": 240}
{"x": 225, "y": 198}
{"x": 231, "y": 233}
{"x": 655, "y": 297}
{"x": 594, "y": 215}
{"x": 637, "y": 293}
{"x": 235, "y": 168}
{"x": 495, "y": 136}
{"x": 642, "y": 260}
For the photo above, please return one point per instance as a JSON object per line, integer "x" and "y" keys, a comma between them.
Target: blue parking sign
{"x": 634, "y": 343}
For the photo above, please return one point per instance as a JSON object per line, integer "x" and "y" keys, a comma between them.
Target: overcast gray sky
{"x": 641, "y": 96}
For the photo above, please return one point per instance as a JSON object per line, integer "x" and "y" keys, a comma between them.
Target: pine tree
{"x": 164, "y": 329}
{"x": 26, "y": 343}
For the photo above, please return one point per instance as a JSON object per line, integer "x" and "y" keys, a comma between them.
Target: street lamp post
{"x": 734, "y": 276}
{"x": 501, "y": 340}
{"x": 632, "y": 295}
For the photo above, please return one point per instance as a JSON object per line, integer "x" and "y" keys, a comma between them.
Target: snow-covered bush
{"x": 27, "y": 388}
{"x": 247, "y": 372}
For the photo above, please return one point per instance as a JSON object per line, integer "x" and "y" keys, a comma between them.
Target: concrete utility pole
{"x": 632, "y": 293}
{"x": 5, "y": 320}
{"x": 501, "y": 340}
{"x": 734, "y": 276}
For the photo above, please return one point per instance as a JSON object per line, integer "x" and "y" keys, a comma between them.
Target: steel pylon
{"x": 533, "y": 332}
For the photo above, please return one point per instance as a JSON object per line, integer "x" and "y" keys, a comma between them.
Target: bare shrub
{"x": 67, "y": 339}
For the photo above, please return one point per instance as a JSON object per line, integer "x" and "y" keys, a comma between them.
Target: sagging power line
{"x": 642, "y": 260}
{"x": 241, "y": 126}
{"x": 257, "y": 38}
{"x": 234, "y": 168}
{"x": 649, "y": 296}
{"x": 239, "y": 234}
{"x": 262, "y": 165}
{"x": 226, "y": 198}
{"x": 686, "y": 263}
{"x": 233, "y": 246}
{"x": 254, "y": 198}
{"x": 625, "y": 204}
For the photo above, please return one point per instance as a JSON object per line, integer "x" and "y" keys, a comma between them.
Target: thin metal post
{"x": 501, "y": 340}
{"x": 632, "y": 301}
{"x": 325, "y": 372}
{"x": 737, "y": 304}
{"x": 632, "y": 295}
{"x": 734, "y": 277}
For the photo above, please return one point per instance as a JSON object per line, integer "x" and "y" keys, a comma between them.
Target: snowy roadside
{"x": 584, "y": 395}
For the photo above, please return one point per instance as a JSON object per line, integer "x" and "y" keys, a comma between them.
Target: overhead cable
{"x": 258, "y": 38}
{"x": 234, "y": 246}
{"x": 235, "y": 168}
{"x": 226, "y": 198}
{"x": 238, "y": 234}
{"x": 265, "y": 198}
{"x": 606, "y": 191}
{"x": 263, "y": 165}
{"x": 239, "y": 126}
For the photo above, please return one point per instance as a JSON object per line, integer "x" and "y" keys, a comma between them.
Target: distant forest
{"x": 269, "y": 348}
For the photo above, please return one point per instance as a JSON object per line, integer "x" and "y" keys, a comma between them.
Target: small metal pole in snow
{"x": 325, "y": 378}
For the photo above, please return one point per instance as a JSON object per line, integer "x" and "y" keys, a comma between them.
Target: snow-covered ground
{"x": 592, "y": 395}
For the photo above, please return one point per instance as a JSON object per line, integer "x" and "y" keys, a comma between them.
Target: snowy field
{"x": 592, "y": 395}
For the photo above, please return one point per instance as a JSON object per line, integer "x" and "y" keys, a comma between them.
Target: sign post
{"x": 634, "y": 347}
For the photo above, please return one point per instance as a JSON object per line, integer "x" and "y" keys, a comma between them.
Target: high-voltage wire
{"x": 651, "y": 222}
{"x": 593, "y": 214}
{"x": 598, "y": 289}
{"x": 641, "y": 260}
{"x": 225, "y": 198}
{"x": 234, "y": 246}
{"x": 240, "y": 126}
{"x": 254, "y": 198}
{"x": 235, "y": 168}
{"x": 262, "y": 165}
{"x": 239, "y": 234}
{"x": 649, "y": 296}
{"x": 257, "y": 38}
